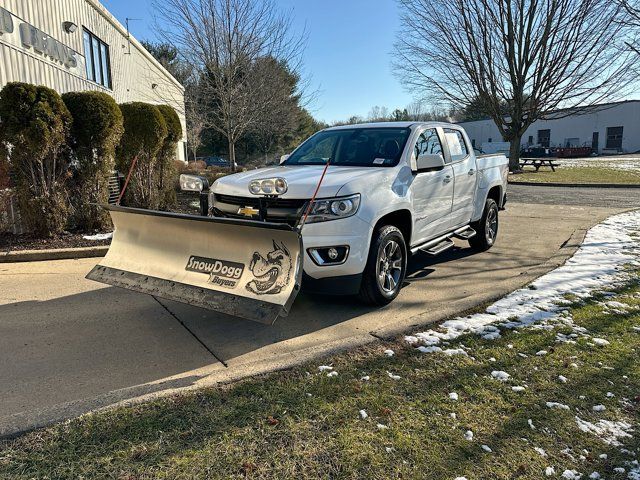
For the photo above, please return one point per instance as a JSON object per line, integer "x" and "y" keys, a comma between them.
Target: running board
{"x": 465, "y": 234}
{"x": 438, "y": 248}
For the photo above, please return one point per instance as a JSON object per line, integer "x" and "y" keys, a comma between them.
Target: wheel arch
{"x": 401, "y": 219}
{"x": 495, "y": 193}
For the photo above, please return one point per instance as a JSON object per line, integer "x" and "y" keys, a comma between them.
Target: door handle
{"x": 472, "y": 172}
{"x": 447, "y": 179}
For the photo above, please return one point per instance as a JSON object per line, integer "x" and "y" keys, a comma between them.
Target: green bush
{"x": 144, "y": 132}
{"x": 165, "y": 168}
{"x": 95, "y": 132}
{"x": 35, "y": 129}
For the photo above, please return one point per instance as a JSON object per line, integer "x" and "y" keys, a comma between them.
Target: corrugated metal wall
{"x": 133, "y": 75}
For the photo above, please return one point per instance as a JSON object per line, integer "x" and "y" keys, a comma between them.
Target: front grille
{"x": 255, "y": 201}
{"x": 279, "y": 210}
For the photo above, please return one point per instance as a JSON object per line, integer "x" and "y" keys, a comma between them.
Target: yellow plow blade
{"x": 243, "y": 268}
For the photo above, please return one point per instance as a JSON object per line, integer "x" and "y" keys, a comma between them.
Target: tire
{"x": 383, "y": 276}
{"x": 486, "y": 228}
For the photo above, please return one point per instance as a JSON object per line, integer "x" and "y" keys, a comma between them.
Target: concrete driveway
{"x": 68, "y": 345}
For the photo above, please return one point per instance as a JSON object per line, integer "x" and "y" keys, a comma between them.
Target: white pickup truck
{"x": 340, "y": 215}
{"x": 390, "y": 190}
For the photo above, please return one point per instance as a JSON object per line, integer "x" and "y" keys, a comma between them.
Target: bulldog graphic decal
{"x": 271, "y": 273}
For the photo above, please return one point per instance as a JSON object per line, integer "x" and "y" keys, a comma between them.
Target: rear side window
{"x": 457, "y": 146}
{"x": 428, "y": 142}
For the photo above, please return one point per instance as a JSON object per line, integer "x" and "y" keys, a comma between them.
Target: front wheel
{"x": 386, "y": 267}
{"x": 486, "y": 228}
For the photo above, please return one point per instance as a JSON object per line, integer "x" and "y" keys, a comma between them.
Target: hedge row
{"x": 62, "y": 150}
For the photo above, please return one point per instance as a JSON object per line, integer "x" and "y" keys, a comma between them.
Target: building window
{"x": 97, "y": 59}
{"x": 530, "y": 140}
{"x": 544, "y": 138}
{"x": 614, "y": 137}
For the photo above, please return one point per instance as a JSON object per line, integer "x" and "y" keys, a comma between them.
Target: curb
{"x": 53, "y": 254}
{"x": 578, "y": 185}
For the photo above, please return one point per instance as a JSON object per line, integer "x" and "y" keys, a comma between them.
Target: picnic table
{"x": 539, "y": 162}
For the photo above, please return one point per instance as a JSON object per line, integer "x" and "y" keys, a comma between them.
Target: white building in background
{"x": 77, "y": 45}
{"x": 608, "y": 129}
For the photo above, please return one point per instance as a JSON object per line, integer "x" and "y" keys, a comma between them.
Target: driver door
{"x": 432, "y": 190}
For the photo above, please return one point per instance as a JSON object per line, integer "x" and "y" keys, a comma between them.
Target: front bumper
{"x": 352, "y": 232}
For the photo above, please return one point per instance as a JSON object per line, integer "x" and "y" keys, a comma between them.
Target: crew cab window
{"x": 457, "y": 146}
{"x": 428, "y": 142}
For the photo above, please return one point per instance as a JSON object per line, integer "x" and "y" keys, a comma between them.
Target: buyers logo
{"x": 221, "y": 272}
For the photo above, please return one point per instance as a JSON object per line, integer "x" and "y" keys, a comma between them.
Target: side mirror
{"x": 283, "y": 158}
{"x": 430, "y": 161}
{"x": 193, "y": 183}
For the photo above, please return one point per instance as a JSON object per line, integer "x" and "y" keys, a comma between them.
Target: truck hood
{"x": 302, "y": 180}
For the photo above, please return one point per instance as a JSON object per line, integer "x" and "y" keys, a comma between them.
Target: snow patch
{"x": 540, "y": 451}
{"x": 596, "y": 265}
{"x": 500, "y": 375}
{"x": 99, "y": 236}
{"x": 389, "y": 353}
{"x": 559, "y": 406}
{"x": 571, "y": 475}
{"x": 607, "y": 431}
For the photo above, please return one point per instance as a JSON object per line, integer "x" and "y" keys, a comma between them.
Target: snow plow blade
{"x": 243, "y": 268}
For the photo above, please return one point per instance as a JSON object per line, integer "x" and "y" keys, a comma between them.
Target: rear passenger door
{"x": 432, "y": 190}
{"x": 464, "y": 174}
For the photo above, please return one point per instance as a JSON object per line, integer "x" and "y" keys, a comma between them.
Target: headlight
{"x": 193, "y": 183}
{"x": 268, "y": 186}
{"x": 333, "y": 208}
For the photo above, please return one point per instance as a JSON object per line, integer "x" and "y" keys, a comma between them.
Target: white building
{"x": 609, "y": 128}
{"x": 77, "y": 45}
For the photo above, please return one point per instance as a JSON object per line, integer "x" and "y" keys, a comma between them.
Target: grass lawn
{"x": 583, "y": 174}
{"x": 305, "y": 424}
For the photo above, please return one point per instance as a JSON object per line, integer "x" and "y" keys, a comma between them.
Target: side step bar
{"x": 444, "y": 242}
{"x": 465, "y": 234}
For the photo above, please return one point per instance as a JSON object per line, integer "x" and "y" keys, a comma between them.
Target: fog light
{"x": 329, "y": 255}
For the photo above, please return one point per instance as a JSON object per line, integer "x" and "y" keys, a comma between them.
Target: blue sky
{"x": 348, "y": 55}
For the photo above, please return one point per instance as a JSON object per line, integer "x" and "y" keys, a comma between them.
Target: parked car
{"x": 214, "y": 161}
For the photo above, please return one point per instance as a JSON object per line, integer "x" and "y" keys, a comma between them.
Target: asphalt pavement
{"x": 69, "y": 345}
{"x": 584, "y": 196}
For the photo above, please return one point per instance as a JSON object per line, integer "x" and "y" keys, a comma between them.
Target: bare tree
{"x": 632, "y": 8}
{"x": 197, "y": 118}
{"x": 531, "y": 57}
{"x": 223, "y": 40}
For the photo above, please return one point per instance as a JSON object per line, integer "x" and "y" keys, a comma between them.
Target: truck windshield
{"x": 353, "y": 147}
